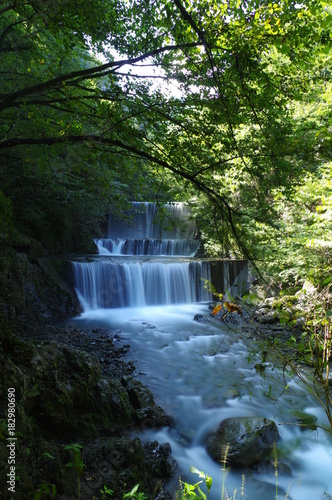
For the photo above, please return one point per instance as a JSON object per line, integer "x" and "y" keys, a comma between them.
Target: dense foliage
{"x": 224, "y": 105}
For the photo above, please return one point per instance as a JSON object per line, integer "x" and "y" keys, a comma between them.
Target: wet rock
{"x": 298, "y": 325}
{"x": 148, "y": 326}
{"x": 261, "y": 311}
{"x": 122, "y": 463}
{"x": 270, "y": 468}
{"x": 148, "y": 414}
{"x": 27, "y": 291}
{"x": 268, "y": 319}
{"x": 232, "y": 318}
{"x": 200, "y": 318}
{"x": 64, "y": 394}
{"x": 245, "y": 441}
{"x": 161, "y": 467}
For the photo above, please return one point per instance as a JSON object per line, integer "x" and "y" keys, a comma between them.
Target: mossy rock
{"x": 147, "y": 414}
{"x": 121, "y": 464}
{"x": 61, "y": 391}
{"x": 287, "y": 301}
{"x": 243, "y": 441}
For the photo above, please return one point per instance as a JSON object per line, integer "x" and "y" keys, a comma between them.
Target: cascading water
{"x": 148, "y": 233}
{"x": 125, "y": 275}
{"x": 200, "y": 373}
{"x": 109, "y": 284}
{"x": 171, "y": 221}
{"x": 117, "y": 246}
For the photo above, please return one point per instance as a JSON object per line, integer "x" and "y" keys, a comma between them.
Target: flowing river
{"x": 200, "y": 372}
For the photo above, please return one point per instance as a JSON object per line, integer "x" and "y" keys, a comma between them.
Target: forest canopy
{"x": 224, "y": 105}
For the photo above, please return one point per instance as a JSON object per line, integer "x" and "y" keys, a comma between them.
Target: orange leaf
{"x": 216, "y": 309}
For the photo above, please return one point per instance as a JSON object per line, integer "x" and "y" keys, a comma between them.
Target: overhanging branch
{"x": 9, "y": 100}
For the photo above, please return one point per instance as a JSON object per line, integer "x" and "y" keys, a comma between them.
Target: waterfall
{"x": 108, "y": 284}
{"x": 173, "y": 247}
{"x": 147, "y": 220}
{"x": 151, "y": 231}
{"x": 147, "y": 260}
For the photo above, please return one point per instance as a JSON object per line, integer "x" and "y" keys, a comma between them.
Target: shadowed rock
{"x": 245, "y": 440}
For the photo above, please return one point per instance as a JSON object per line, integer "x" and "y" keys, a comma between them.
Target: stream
{"x": 199, "y": 372}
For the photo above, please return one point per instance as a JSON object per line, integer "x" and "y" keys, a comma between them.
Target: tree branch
{"x": 9, "y": 100}
{"x": 6, "y": 9}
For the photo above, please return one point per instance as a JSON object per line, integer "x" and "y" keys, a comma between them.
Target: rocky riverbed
{"x": 73, "y": 387}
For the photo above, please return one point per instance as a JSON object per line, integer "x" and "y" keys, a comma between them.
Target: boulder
{"x": 246, "y": 441}
{"x": 147, "y": 413}
{"x": 200, "y": 318}
{"x": 268, "y": 319}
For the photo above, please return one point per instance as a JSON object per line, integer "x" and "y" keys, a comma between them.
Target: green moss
{"x": 285, "y": 301}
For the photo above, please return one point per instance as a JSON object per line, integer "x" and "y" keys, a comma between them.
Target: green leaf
{"x": 132, "y": 492}
{"x": 208, "y": 482}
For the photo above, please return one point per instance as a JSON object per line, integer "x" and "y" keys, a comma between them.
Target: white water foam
{"x": 202, "y": 373}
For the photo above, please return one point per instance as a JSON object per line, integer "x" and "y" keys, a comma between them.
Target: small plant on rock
{"x": 106, "y": 491}
{"x": 193, "y": 491}
{"x": 78, "y": 463}
{"x": 134, "y": 494}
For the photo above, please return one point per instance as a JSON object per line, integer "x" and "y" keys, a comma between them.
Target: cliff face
{"x": 71, "y": 386}
{"x": 28, "y": 292}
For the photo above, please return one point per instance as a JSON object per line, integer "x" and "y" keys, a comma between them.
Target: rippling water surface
{"x": 202, "y": 373}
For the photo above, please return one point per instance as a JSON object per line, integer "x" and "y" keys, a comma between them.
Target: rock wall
{"x": 27, "y": 292}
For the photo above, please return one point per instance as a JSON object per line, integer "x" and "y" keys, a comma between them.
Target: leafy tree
{"x": 237, "y": 138}
{"x": 48, "y": 99}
